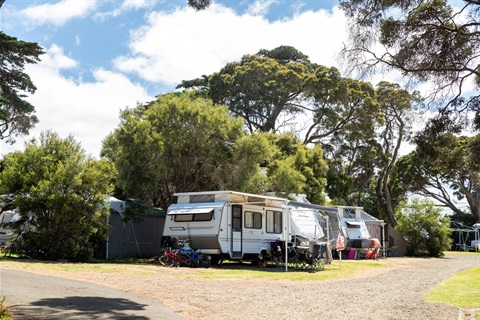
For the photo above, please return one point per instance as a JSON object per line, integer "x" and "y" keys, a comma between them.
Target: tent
{"x": 132, "y": 239}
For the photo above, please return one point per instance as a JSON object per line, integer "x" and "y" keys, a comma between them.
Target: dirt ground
{"x": 393, "y": 292}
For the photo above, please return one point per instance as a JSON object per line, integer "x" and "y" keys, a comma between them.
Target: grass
{"x": 461, "y": 291}
{"x": 228, "y": 269}
{"x": 4, "y": 312}
{"x": 332, "y": 271}
{"x": 138, "y": 268}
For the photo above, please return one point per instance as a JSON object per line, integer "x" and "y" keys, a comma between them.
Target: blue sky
{"x": 105, "y": 55}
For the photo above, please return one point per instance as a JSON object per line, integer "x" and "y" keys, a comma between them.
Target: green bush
{"x": 4, "y": 313}
{"x": 60, "y": 194}
{"x": 425, "y": 229}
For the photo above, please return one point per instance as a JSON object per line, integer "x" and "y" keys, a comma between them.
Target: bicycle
{"x": 189, "y": 257}
{"x": 168, "y": 258}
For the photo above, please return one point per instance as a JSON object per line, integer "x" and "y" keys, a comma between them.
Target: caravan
{"x": 228, "y": 224}
{"x": 242, "y": 226}
{"x": 8, "y": 235}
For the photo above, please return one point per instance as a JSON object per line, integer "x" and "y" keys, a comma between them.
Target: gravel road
{"x": 33, "y": 296}
{"x": 393, "y": 292}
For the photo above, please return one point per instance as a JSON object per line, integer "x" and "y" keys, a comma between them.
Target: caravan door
{"x": 237, "y": 223}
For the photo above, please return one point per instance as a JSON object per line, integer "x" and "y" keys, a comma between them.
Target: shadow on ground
{"x": 76, "y": 307}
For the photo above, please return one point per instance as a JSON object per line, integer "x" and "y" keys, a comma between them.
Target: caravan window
{"x": 253, "y": 220}
{"x": 187, "y": 217}
{"x": 274, "y": 221}
{"x": 349, "y": 213}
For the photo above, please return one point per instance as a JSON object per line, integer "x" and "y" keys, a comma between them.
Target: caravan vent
{"x": 200, "y": 198}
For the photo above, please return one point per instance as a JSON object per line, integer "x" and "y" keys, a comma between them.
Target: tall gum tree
{"x": 273, "y": 88}
{"x": 17, "y": 115}
{"x": 397, "y": 106}
{"x": 259, "y": 88}
{"x": 446, "y": 169}
{"x": 427, "y": 41}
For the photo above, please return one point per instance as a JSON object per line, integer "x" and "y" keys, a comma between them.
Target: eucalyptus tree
{"x": 447, "y": 169}
{"x": 339, "y": 105}
{"x": 427, "y": 41}
{"x": 17, "y": 115}
{"x": 61, "y": 196}
{"x": 275, "y": 88}
{"x": 259, "y": 88}
{"x": 398, "y": 109}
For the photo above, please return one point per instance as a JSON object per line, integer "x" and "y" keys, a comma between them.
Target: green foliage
{"x": 199, "y": 4}
{"x": 441, "y": 164}
{"x": 260, "y": 89}
{"x": 427, "y": 41}
{"x": 16, "y": 114}
{"x": 4, "y": 312}
{"x": 61, "y": 196}
{"x": 181, "y": 143}
{"x": 343, "y": 109}
{"x": 281, "y": 83}
{"x": 426, "y": 231}
{"x": 294, "y": 168}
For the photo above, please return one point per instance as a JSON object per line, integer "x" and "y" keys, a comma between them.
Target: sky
{"x": 102, "y": 56}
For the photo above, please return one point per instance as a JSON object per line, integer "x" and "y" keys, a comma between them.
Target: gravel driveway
{"x": 393, "y": 292}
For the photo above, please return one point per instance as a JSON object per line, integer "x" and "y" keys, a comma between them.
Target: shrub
{"x": 425, "y": 229}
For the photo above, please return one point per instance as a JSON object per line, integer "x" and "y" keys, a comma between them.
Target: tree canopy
{"x": 182, "y": 143}
{"x": 274, "y": 88}
{"x": 17, "y": 116}
{"x": 447, "y": 169}
{"x": 425, "y": 40}
{"x": 178, "y": 143}
{"x": 60, "y": 194}
{"x": 260, "y": 88}
{"x": 199, "y": 4}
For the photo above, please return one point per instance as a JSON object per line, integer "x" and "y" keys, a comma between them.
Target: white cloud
{"x": 59, "y": 13}
{"x": 87, "y": 110}
{"x": 127, "y": 5}
{"x": 260, "y": 7}
{"x": 185, "y": 44}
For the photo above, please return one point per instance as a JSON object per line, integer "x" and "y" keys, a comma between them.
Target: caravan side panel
{"x": 197, "y": 222}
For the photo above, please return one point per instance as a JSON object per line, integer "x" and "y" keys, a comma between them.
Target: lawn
{"x": 462, "y": 290}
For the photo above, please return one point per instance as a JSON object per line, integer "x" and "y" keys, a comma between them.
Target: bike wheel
{"x": 204, "y": 261}
{"x": 166, "y": 261}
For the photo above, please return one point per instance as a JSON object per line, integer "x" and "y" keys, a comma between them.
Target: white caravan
{"x": 236, "y": 225}
{"x": 6, "y": 234}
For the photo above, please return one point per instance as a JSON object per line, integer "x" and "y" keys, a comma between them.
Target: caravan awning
{"x": 189, "y": 211}
{"x": 313, "y": 206}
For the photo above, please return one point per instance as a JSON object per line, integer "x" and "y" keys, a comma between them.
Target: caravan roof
{"x": 231, "y": 196}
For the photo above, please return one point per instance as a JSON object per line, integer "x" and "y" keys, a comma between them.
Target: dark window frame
{"x": 193, "y": 217}
{"x": 274, "y": 223}
{"x": 254, "y": 219}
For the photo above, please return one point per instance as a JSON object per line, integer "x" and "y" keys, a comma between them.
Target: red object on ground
{"x": 374, "y": 249}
